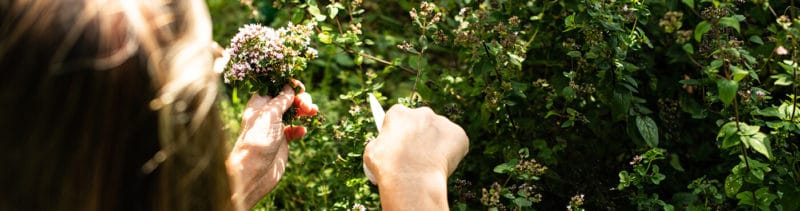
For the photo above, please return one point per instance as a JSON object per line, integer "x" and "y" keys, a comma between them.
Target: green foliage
{"x": 555, "y": 96}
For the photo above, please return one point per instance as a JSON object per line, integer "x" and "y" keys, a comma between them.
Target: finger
{"x": 294, "y": 132}
{"x": 311, "y": 110}
{"x": 368, "y": 159}
{"x": 296, "y": 83}
{"x": 284, "y": 100}
{"x": 220, "y": 58}
{"x": 305, "y": 106}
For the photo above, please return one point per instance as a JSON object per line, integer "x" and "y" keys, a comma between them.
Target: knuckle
{"x": 397, "y": 109}
{"x": 425, "y": 110}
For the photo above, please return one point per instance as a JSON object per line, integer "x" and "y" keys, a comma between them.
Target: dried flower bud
{"x": 514, "y": 21}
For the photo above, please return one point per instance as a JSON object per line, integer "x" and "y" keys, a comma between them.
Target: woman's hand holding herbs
{"x": 258, "y": 159}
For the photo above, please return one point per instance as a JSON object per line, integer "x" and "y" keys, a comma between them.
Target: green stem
{"x": 744, "y": 151}
{"x": 794, "y": 80}
{"x": 419, "y": 70}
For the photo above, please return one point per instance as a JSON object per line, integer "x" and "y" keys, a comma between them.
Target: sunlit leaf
{"x": 760, "y": 144}
{"x": 701, "y": 29}
{"x": 732, "y": 184}
{"x": 314, "y": 10}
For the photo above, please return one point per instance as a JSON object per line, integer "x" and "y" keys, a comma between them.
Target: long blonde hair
{"x": 108, "y": 105}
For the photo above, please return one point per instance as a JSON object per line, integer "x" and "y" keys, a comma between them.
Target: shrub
{"x": 659, "y": 104}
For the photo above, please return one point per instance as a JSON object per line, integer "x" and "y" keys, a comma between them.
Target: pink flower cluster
{"x": 258, "y": 52}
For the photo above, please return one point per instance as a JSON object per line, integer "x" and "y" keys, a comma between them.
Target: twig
{"x": 419, "y": 70}
{"x": 373, "y": 58}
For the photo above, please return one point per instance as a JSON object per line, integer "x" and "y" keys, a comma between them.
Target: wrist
{"x": 425, "y": 191}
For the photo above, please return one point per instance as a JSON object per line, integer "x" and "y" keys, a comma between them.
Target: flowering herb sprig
{"x": 263, "y": 59}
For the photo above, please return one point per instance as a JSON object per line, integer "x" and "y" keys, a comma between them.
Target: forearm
{"x": 251, "y": 177}
{"x": 238, "y": 178}
{"x": 415, "y": 192}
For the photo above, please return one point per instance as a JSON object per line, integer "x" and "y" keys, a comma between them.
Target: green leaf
{"x": 675, "y": 162}
{"x": 788, "y": 66}
{"x": 730, "y": 22}
{"x": 764, "y": 197}
{"x": 574, "y": 54}
{"x": 522, "y": 202}
{"x": 727, "y": 90}
{"x": 688, "y": 48}
{"x": 728, "y": 134}
{"x": 758, "y": 173}
{"x": 567, "y": 124}
{"x": 569, "y": 22}
{"x": 620, "y": 103}
{"x": 505, "y": 167}
{"x": 689, "y": 3}
{"x": 358, "y": 60}
{"x": 344, "y": 60}
{"x": 782, "y": 79}
{"x": 298, "y": 15}
{"x": 624, "y": 180}
{"x": 738, "y": 73}
{"x": 657, "y": 178}
{"x": 760, "y": 143}
{"x": 732, "y": 184}
{"x": 333, "y": 11}
{"x": 746, "y": 198}
{"x": 461, "y": 207}
{"x": 731, "y": 141}
{"x": 568, "y": 93}
{"x": 515, "y": 59}
{"x": 701, "y": 29}
{"x": 756, "y": 39}
{"x": 748, "y": 130}
{"x": 648, "y": 129}
{"x": 715, "y": 64}
{"x": 483, "y": 66}
{"x": 325, "y": 38}
{"x": 314, "y": 10}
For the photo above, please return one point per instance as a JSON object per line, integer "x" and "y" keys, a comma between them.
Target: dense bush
{"x": 658, "y": 104}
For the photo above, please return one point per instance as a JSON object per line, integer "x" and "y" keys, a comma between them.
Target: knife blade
{"x": 378, "y": 114}
{"x": 377, "y": 111}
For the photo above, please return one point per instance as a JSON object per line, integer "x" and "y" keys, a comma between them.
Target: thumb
{"x": 284, "y": 100}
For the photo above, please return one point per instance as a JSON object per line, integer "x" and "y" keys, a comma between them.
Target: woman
{"x": 110, "y": 105}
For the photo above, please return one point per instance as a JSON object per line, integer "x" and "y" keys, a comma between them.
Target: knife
{"x": 377, "y": 111}
{"x": 378, "y": 114}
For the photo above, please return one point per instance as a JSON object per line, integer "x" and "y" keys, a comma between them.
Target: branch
{"x": 373, "y": 58}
